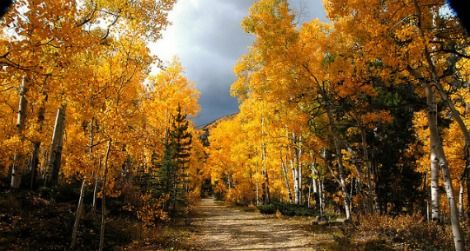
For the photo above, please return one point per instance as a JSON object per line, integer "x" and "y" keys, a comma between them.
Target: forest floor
{"x": 33, "y": 221}
{"x": 216, "y": 226}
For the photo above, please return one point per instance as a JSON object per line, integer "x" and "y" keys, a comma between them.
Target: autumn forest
{"x": 352, "y": 133}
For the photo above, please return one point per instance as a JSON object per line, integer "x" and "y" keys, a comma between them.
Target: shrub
{"x": 267, "y": 209}
{"x": 294, "y": 210}
{"x": 286, "y": 209}
{"x": 411, "y": 230}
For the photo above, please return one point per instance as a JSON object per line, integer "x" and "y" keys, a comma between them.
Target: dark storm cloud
{"x": 206, "y": 35}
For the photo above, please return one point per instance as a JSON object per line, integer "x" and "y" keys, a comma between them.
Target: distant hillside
{"x": 207, "y": 127}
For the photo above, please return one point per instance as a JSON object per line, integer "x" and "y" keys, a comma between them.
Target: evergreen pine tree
{"x": 174, "y": 167}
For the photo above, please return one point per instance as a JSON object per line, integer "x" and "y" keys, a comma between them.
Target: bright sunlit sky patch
{"x": 207, "y": 37}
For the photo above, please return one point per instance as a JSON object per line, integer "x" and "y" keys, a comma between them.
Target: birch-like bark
{"x": 313, "y": 184}
{"x": 339, "y": 156}
{"x": 297, "y": 170}
{"x": 16, "y": 172}
{"x": 299, "y": 166}
{"x": 295, "y": 174}
{"x": 55, "y": 154}
{"x": 333, "y": 132}
{"x": 461, "y": 201}
{"x": 79, "y": 210}
{"x": 436, "y": 141}
{"x": 437, "y": 148}
{"x": 295, "y": 177}
{"x": 435, "y": 215}
{"x": 77, "y": 216}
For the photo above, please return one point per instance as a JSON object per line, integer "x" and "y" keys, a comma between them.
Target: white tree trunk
{"x": 55, "y": 154}
{"x": 435, "y": 137}
{"x": 434, "y": 184}
{"x": 314, "y": 185}
{"x": 16, "y": 171}
{"x": 295, "y": 177}
{"x": 321, "y": 197}
{"x": 78, "y": 215}
{"x": 82, "y": 189}
{"x": 297, "y": 170}
{"x": 295, "y": 174}
{"x": 339, "y": 156}
{"x": 437, "y": 148}
{"x": 461, "y": 200}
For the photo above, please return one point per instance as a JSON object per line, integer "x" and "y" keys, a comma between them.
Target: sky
{"x": 207, "y": 38}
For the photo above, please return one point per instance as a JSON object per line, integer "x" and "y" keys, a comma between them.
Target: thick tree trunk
{"x": 294, "y": 166}
{"x": 297, "y": 170}
{"x": 437, "y": 148}
{"x": 295, "y": 176}
{"x": 313, "y": 184}
{"x": 34, "y": 164}
{"x": 313, "y": 188}
{"x": 321, "y": 197}
{"x": 454, "y": 216}
{"x": 432, "y": 120}
{"x": 456, "y": 230}
{"x": 37, "y": 144}
{"x": 16, "y": 170}
{"x": 434, "y": 185}
{"x": 371, "y": 184}
{"x": 55, "y": 155}
{"x": 268, "y": 192}
{"x": 461, "y": 199}
{"x": 103, "y": 199}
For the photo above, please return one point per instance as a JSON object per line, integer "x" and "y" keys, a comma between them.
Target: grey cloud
{"x": 306, "y": 10}
{"x": 210, "y": 40}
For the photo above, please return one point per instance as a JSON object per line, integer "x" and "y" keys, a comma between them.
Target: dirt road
{"x": 218, "y": 227}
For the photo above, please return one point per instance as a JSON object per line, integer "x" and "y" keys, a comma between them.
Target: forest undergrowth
{"x": 43, "y": 220}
